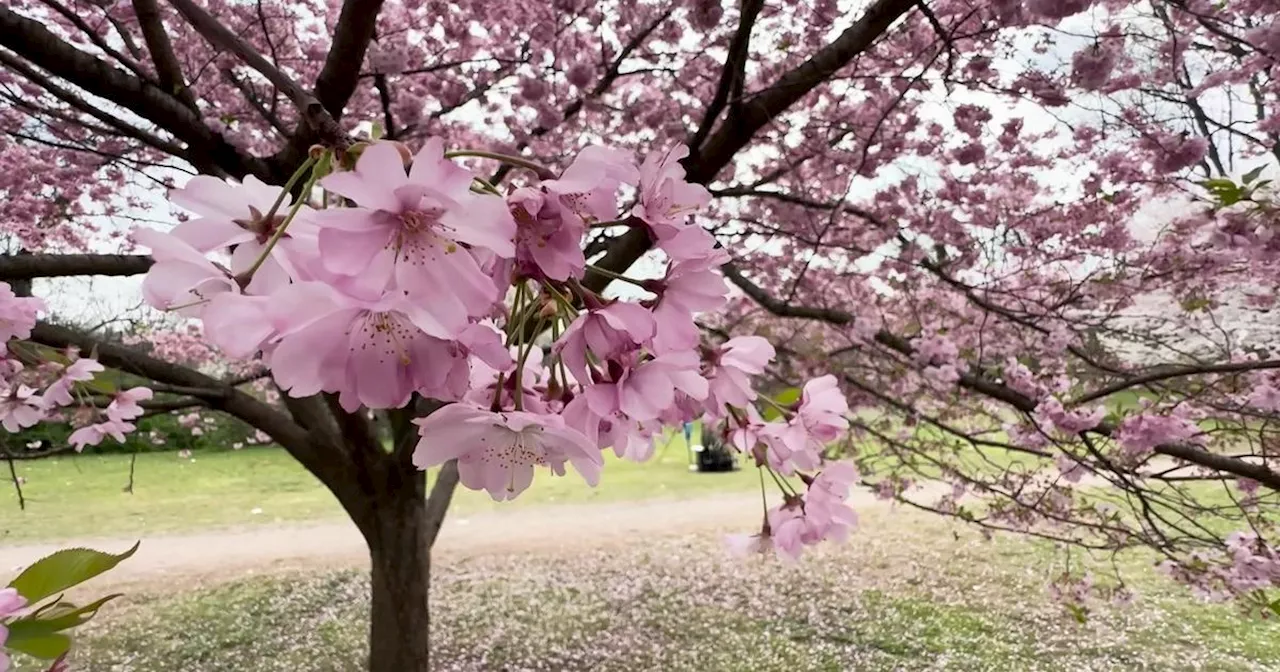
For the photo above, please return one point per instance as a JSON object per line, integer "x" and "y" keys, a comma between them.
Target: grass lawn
{"x": 905, "y": 594}
{"x": 84, "y": 495}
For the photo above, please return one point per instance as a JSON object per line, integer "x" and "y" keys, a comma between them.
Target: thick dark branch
{"x": 219, "y": 35}
{"x": 734, "y": 70}
{"x": 706, "y": 162}
{"x": 351, "y": 37}
{"x": 168, "y": 70}
{"x": 209, "y": 152}
{"x": 761, "y": 109}
{"x": 95, "y": 37}
{"x": 234, "y": 402}
{"x": 1174, "y": 372}
{"x": 779, "y": 307}
{"x": 251, "y": 96}
{"x": 438, "y": 501}
{"x": 27, "y": 266}
{"x": 78, "y": 102}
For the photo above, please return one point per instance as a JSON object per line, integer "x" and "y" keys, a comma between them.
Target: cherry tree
{"x": 502, "y": 232}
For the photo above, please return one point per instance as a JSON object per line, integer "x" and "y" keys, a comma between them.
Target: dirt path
{"x": 181, "y": 560}
{"x": 177, "y": 562}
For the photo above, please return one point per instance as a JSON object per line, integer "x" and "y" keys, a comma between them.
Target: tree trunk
{"x": 399, "y": 633}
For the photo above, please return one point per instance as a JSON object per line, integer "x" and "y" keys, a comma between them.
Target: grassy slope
{"x": 83, "y": 495}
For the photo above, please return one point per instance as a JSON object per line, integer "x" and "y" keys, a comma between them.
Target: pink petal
{"x": 379, "y": 171}
{"x": 483, "y": 221}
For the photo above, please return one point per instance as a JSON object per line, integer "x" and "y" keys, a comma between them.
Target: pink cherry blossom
{"x": 371, "y": 353}
{"x": 413, "y": 227}
{"x": 17, "y": 313}
{"x": 21, "y": 408}
{"x": 689, "y": 287}
{"x": 181, "y": 279}
{"x": 497, "y": 452}
{"x": 124, "y": 406}
{"x": 548, "y": 244}
{"x": 59, "y": 392}
{"x": 234, "y": 216}
{"x": 647, "y": 388}
{"x": 589, "y": 186}
{"x": 92, "y": 435}
{"x": 1176, "y": 152}
{"x": 823, "y": 408}
{"x": 666, "y": 199}
{"x": 1058, "y": 9}
{"x": 730, "y": 369}
{"x": 11, "y": 602}
{"x": 1091, "y": 67}
{"x": 1051, "y": 412}
{"x": 604, "y": 333}
{"x": 788, "y": 529}
{"x": 1139, "y": 434}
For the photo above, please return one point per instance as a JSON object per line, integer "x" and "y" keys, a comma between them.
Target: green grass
{"x": 904, "y": 595}
{"x": 84, "y": 495}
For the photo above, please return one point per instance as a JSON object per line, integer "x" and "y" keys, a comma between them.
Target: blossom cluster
{"x": 38, "y": 385}
{"x": 397, "y": 274}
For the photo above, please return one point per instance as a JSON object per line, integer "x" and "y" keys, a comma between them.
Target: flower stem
{"x": 243, "y": 278}
{"x": 616, "y": 276}
{"x": 541, "y": 171}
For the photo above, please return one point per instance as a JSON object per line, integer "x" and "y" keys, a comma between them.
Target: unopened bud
{"x": 316, "y": 152}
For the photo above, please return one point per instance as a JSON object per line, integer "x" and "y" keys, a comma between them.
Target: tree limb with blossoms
{"x": 377, "y": 275}
{"x": 1025, "y": 240}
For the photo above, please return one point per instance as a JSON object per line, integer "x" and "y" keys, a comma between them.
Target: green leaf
{"x": 64, "y": 569}
{"x": 65, "y": 615}
{"x": 376, "y": 132}
{"x": 786, "y": 397}
{"x": 1274, "y": 606}
{"x": 36, "y": 643}
{"x": 1225, "y": 192}
{"x": 1078, "y": 612}
{"x": 1253, "y": 174}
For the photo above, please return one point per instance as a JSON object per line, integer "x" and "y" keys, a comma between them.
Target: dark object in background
{"x": 713, "y": 454}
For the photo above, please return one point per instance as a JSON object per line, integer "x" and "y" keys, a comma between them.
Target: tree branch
{"x": 15, "y": 267}
{"x": 341, "y": 70}
{"x": 438, "y": 501}
{"x": 1173, "y": 372}
{"x": 315, "y": 113}
{"x": 734, "y": 70}
{"x": 706, "y": 162}
{"x": 759, "y": 110}
{"x": 168, "y": 70}
{"x": 208, "y": 151}
{"x": 987, "y": 387}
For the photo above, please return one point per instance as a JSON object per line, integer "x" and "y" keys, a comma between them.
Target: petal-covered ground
{"x": 907, "y": 593}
